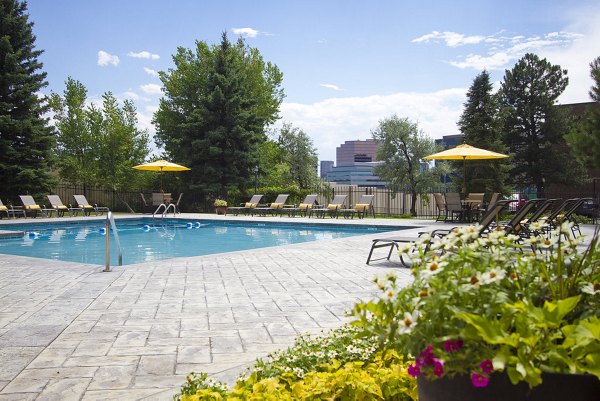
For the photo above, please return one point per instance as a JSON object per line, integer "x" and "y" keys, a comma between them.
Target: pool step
{"x": 11, "y": 234}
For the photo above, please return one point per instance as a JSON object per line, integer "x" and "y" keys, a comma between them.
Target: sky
{"x": 346, "y": 64}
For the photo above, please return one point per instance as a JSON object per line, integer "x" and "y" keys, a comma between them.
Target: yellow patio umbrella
{"x": 161, "y": 165}
{"x": 465, "y": 152}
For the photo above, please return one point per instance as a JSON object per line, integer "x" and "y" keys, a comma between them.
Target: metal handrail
{"x": 162, "y": 205}
{"x": 171, "y": 205}
{"x": 110, "y": 222}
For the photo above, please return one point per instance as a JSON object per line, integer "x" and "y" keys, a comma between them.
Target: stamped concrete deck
{"x": 69, "y": 331}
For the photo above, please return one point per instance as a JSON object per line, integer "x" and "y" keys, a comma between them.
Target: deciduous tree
{"x": 584, "y": 138}
{"x": 26, "y": 140}
{"x": 402, "y": 147}
{"x": 300, "y": 155}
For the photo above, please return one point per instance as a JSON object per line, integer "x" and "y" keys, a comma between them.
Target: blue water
{"x": 142, "y": 240}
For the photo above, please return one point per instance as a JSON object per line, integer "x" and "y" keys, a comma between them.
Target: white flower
{"x": 590, "y": 288}
{"x": 433, "y": 268}
{"x": 492, "y": 276}
{"x": 408, "y": 322}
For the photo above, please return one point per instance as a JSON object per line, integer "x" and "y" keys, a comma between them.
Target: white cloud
{"x": 151, "y": 89}
{"x": 497, "y": 52}
{"x": 332, "y": 121}
{"x": 105, "y": 58}
{"x": 247, "y": 32}
{"x": 151, "y": 72}
{"x": 330, "y": 86}
{"x": 144, "y": 54}
{"x": 452, "y": 39}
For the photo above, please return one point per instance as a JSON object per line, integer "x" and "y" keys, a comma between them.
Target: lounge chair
{"x": 31, "y": 207}
{"x": 60, "y": 208}
{"x": 305, "y": 207}
{"x": 274, "y": 207}
{"x": 337, "y": 203}
{"x": 440, "y": 203}
{"x": 565, "y": 213}
{"x": 245, "y": 207}
{"x": 82, "y": 203}
{"x": 538, "y": 215}
{"x": 11, "y": 211}
{"x": 361, "y": 208}
{"x": 393, "y": 243}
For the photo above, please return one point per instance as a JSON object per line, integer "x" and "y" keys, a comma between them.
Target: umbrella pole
{"x": 465, "y": 175}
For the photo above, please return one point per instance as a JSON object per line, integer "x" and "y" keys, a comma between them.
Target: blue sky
{"x": 346, "y": 64}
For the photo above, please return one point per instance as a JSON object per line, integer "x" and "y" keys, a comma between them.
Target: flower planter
{"x": 221, "y": 209}
{"x": 555, "y": 386}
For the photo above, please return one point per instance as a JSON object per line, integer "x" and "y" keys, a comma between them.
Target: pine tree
{"x": 480, "y": 127}
{"x": 534, "y": 128}
{"x": 218, "y": 102}
{"x": 26, "y": 141}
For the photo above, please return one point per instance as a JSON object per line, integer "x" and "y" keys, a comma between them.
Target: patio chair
{"x": 31, "y": 207}
{"x": 82, "y": 203}
{"x": 4, "y": 209}
{"x": 440, "y": 203}
{"x": 537, "y": 215}
{"x": 305, "y": 207}
{"x": 361, "y": 208}
{"x": 454, "y": 206}
{"x": 274, "y": 207}
{"x": 245, "y": 207}
{"x": 337, "y": 203}
{"x": 393, "y": 243}
{"x": 146, "y": 205}
{"x": 60, "y": 208}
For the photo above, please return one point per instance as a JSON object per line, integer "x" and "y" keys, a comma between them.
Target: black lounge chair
{"x": 245, "y": 207}
{"x": 337, "y": 203}
{"x": 305, "y": 207}
{"x": 60, "y": 208}
{"x": 486, "y": 221}
{"x": 274, "y": 207}
{"x": 82, "y": 203}
{"x": 31, "y": 207}
{"x": 363, "y": 207}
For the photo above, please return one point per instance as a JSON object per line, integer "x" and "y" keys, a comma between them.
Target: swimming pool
{"x": 144, "y": 240}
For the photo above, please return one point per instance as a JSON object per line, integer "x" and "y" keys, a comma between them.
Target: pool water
{"x": 142, "y": 240}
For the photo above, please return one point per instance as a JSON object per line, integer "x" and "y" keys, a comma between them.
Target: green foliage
{"x": 97, "y": 145}
{"x": 220, "y": 203}
{"x": 481, "y": 127}
{"x": 26, "y": 141}
{"x": 218, "y": 102}
{"x": 584, "y": 138}
{"x": 300, "y": 156}
{"x": 476, "y": 299}
{"x": 338, "y": 365}
{"x": 402, "y": 146}
{"x": 534, "y": 128}
{"x": 272, "y": 167}
{"x": 269, "y": 194}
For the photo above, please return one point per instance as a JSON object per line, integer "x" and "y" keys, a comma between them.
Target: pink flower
{"x": 451, "y": 345}
{"x": 487, "y": 366}
{"x": 414, "y": 370}
{"x": 479, "y": 380}
{"x": 419, "y": 362}
{"x": 428, "y": 356}
{"x": 438, "y": 368}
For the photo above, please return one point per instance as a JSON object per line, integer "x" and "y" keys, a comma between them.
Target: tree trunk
{"x": 413, "y": 203}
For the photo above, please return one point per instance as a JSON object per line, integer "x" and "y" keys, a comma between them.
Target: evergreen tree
{"x": 534, "y": 128}
{"x": 480, "y": 126}
{"x": 402, "y": 146}
{"x": 218, "y": 102}
{"x": 26, "y": 141}
{"x": 584, "y": 138}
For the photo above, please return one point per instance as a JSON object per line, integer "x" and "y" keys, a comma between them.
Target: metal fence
{"x": 386, "y": 202}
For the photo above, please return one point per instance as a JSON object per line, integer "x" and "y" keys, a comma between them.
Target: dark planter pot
{"x": 221, "y": 209}
{"x": 555, "y": 386}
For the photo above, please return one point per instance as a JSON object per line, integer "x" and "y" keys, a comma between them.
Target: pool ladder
{"x": 110, "y": 223}
{"x": 166, "y": 210}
